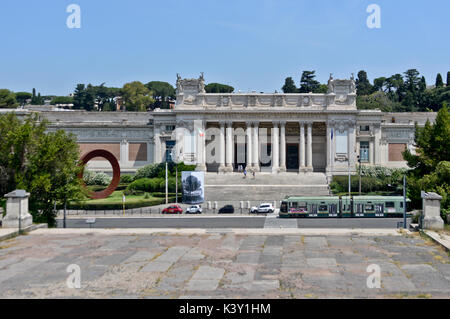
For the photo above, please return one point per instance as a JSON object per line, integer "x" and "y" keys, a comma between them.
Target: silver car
{"x": 194, "y": 209}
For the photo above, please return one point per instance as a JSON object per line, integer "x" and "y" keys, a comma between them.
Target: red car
{"x": 174, "y": 209}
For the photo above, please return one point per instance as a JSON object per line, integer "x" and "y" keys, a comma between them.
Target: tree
{"x": 380, "y": 83}
{"x": 36, "y": 99}
{"x": 7, "y": 99}
{"x": 43, "y": 163}
{"x": 84, "y": 97}
{"x": 439, "y": 82}
{"x": 363, "y": 86}
{"x": 448, "y": 79}
{"x": 431, "y": 163}
{"x": 22, "y": 97}
{"x": 218, "y": 88}
{"x": 162, "y": 91}
{"x": 308, "y": 83}
{"x": 62, "y": 100}
{"x": 289, "y": 86}
{"x": 137, "y": 97}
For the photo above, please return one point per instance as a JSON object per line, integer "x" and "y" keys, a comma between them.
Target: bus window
{"x": 283, "y": 207}
{"x": 323, "y": 208}
{"x": 390, "y": 205}
{"x": 401, "y": 204}
{"x": 368, "y": 207}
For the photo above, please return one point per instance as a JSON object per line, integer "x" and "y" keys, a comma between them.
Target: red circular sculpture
{"x": 116, "y": 172}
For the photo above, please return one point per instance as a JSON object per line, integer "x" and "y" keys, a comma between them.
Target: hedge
{"x": 118, "y": 206}
{"x": 151, "y": 185}
{"x": 369, "y": 184}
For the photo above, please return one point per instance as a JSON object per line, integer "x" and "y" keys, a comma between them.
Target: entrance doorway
{"x": 292, "y": 157}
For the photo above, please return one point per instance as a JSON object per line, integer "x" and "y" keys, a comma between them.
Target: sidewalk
{"x": 235, "y": 231}
{"x": 441, "y": 239}
{"x": 7, "y": 233}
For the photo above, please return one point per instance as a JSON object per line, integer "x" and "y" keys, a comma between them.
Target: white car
{"x": 194, "y": 209}
{"x": 254, "y": 210}
{"x": 266, "y": 208}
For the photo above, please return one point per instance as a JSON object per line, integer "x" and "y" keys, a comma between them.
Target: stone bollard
{"x": 432, "y": 211}
{"x": 17, "y": 209}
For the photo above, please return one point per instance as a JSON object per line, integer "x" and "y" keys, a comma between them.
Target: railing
{"x": 246, "y": 100}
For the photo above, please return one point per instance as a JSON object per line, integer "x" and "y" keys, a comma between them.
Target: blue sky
{"x": 249, "y": 44}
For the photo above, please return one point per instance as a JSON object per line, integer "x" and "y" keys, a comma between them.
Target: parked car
{"x": 194, "y": 209}
{"x": 266, "y": 208}
{"x": 254, "y": 210}
{"x": 227, "y": 209}
{"x": 173, "y": 209}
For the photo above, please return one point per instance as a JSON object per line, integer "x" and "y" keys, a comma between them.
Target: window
{"x": 390, "y": 204}
{"x": 170, "y": 128}
{"x": 364, "y": 128}
{"x": 364, "y": 151}
{"x": 369, "y": 207}
{"x": 323, "y": 208}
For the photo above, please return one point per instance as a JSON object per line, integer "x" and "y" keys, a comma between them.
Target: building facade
{"x": 269, "y": 133}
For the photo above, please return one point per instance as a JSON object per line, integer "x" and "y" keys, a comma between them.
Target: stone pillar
{"x": 17, "y": 208}
{"x": 222, "y": 147}
{"x": 255, "y": 155}
{"x": 275, "y": 147}
{"x": 157, "y": 138}
{"x": 199, "y": 130}
{"x": 302, "y": 146}
{"x": 371, "y": 152}
{"x": 230, "y": 147}
{"x": 432, "y": 211}
{"x": 351, "y": 144}
{"x": 248, "y": 132}
{"x": 328, "y": 169}
{"x": 282, "y": 147}
{"x": 309, "y": 151}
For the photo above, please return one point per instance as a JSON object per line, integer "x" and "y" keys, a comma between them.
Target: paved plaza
{"x": 221, "y": 264}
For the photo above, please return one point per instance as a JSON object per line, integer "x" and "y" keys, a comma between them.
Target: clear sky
{"x": 249, "y": 44}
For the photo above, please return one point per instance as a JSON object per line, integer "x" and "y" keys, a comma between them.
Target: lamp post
{"x": 359, "y": 163}
{"x": 176, "y": 159}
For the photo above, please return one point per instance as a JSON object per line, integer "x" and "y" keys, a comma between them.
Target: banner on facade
{"x": 193, "y": 187}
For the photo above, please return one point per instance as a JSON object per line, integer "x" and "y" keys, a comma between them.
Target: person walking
{"x": 245, "y": 172}
{"x": 254, "y": 174}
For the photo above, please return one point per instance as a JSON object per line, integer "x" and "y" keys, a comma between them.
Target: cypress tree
{"x": 439, "y": 82}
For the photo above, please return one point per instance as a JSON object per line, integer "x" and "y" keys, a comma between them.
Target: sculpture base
{"x": 433, "y": 223}
{"x": 13, "y": 222}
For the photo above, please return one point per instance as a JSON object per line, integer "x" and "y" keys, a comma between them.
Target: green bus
{"x": 343, "y": 207}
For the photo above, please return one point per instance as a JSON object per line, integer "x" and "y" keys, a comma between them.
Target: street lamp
{"x": 359, "y": 164}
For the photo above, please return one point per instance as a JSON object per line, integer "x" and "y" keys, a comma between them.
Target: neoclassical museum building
{"x": 266, "y": 132}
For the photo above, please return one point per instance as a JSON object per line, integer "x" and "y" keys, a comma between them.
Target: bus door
{"x": 313, "y": 211}
{"x": 379, "y": 210}
{"x": 333, "y": 210}
{"x": 359, "y": 210}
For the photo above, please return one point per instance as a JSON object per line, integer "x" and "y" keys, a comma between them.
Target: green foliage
{"x": 159, "y": 170}
{"x": 363, "y": 86}
{"x": 308, "y": 83}
{"x": 94, "y": 178}
{"x": 162, "y": 91}
{"x": 152, "y": 185}
{"x": 7, "y": 99}
{"x": 62, "y": 100}
{"x": 137, "y": 97}
{"x": 218, "y": 88}
{"x": 22, "y": 97}
{"x": 289, "y": 86}
{"x": 126, "y": 179}
{"x": 43, "y": 163}
{"x": 431, "y": 163}
{"x": 84, "y": 97}
{"x": 439, "y": 81}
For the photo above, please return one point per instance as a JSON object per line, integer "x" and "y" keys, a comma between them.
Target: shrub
{"x": 159, "y": 170}
{"x": 93, "y": 178}
{"x": 126, "y": 179}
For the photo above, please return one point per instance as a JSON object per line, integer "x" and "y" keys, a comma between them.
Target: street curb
{"x": 437, "y": 239}
{"x": 234, "y": 231}
{"x": 15, "y": 233}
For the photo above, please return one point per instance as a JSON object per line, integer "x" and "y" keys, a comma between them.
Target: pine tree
{"x": 363, "y": 86}
{"x": 308, "y": 83}
{"x": 439, "y": 82}
{"x": 448, "y": 78}
{"x": 289, "y": 86}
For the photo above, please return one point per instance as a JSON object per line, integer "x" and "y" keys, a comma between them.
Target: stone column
{"x": 124, "y": 153}
{"x": 309, "y": 152}
{"x": 230, "y": 146}
{"x": 351, "y": 143}
{"x": 199, "y": 130}
{"x": 157, "y": 139}
{"x": 248, "y": 132}
{"x": 255, "y": 155}
{"x": 328, "y": 169}
{"x": 432, "y": 211}
{"x": 282, "y": 147}
{"x": 371, "y": 152}
{"x": 302, "y": 146}
{"x": 222, "y": 147}
{"x": 17, "y": 209}
{"x": 275, "y": 148}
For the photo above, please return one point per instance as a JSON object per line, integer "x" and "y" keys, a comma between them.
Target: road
{"x": 212, "y": 222}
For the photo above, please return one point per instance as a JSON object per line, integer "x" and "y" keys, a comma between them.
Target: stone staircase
{"x": 265, "y": 187}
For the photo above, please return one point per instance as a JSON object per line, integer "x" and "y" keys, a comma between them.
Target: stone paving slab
{"x": 173, "y": 265}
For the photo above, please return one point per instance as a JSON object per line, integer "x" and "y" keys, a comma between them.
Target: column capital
{"x": 276, "y": 123}
{"x": 302, "y": 123}
{"x": 283, "y": 123}
{"x": 229, "y": 123}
